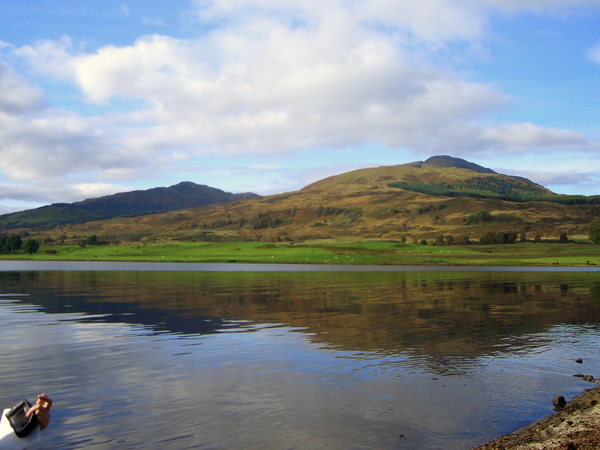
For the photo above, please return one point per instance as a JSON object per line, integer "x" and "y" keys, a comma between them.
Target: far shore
{"x": 334, "y": 252}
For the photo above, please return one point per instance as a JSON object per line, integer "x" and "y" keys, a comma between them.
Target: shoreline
{"x": 335, "y": 253}
{"x": 574, "y": 426}
{"x": 185, "y": 266}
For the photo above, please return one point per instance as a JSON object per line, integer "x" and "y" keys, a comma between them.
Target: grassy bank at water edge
{"x": 334, "y": 252}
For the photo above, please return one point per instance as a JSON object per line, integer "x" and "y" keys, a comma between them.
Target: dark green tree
{"x": 464, "y": 240}
{"x": 14, "y": 243}
{"x": 92, "y": 240}
{"x": 563, "y": 238}
{"x": 502, "y": 237}
{"x": 30, "y": 246}
{"x": 483, "y": 216}
{"x": 512, "y": 236}
{"x": 488, "y": 238}
{"x": 594, "y": 231}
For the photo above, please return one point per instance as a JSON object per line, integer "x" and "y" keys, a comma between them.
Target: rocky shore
{"x": 574, "y": 426}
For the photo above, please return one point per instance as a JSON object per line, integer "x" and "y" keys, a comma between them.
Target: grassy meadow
{"x": 333, "y": 252}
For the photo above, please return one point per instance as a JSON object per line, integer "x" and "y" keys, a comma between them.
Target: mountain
{"x": 163, "y": 199}
{"x": 449, "y": 161}
{"x": 419, "y": 200}
{"x": 437, "y": 170}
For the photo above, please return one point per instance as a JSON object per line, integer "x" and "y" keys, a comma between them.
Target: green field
{"x": 335, "y": 252}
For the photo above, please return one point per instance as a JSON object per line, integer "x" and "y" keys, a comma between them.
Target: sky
{"x": 268, "y": 96}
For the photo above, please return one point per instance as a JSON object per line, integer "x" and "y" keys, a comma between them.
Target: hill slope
{"x": 362, "y": 204}
{"x": 181, "y": 196}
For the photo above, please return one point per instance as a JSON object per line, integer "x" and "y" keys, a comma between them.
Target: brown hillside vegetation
{"x": 357, "y": 204}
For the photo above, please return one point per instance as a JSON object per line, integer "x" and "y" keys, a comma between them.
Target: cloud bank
{"x": 266, "y": 78}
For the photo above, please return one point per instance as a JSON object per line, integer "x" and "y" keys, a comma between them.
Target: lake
{"x": 213, "y": 359}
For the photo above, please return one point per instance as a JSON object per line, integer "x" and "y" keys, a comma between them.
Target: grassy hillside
{"x": 363, "y": 204}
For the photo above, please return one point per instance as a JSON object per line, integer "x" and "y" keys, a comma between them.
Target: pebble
{"x": 559, "y": 402}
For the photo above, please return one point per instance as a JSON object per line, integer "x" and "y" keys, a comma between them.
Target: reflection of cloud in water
{"x": 307, "y": 361}
{"x": 448, "y": 316}
{"x": 266, "y": 389}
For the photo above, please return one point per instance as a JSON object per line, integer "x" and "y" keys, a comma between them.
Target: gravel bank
{"x": 576, "y": 426}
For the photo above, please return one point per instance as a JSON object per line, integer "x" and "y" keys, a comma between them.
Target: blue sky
{"x": 270, "y": 95}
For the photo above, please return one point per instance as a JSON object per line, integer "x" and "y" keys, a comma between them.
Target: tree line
{"x": 494, "y": 188}
{"x": 9, "y": 245}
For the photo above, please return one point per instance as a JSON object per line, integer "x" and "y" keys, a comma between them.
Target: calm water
{"x": 305, "y": 360}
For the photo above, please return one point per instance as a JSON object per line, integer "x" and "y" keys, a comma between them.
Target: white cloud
{"x": 539, "y": 6}
{"x": 528, "y": 136}
{"x": 432, "y": 21}
{"x": 268, "y": 77}
{"x": 569, "y": 181}
{"x": 57, "y": 191}
{"x": 93, "y": 190}
{"x": 16, "y": 95}
{"x": 49, "y": 57}
{"x": 289, "y": 90}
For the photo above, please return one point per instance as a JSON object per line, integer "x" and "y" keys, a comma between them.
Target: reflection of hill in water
{"x": 459, "y": 315}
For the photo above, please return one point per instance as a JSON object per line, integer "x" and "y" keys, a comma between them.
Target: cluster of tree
{"x": 495, "y": 238}
{"x": 221, "y": 223}
{"x": 481, "y": 216}
{"x": 322, "y": 211}
{"x": 443, "y": 239}
{"x": 510, "y": 237}
{"x": 264, "y": 220}
{"x": 501, "y": 237}
{"x": 478, "y": 187}
{"x": 10, "y": 245}
{"x": 92, "y": 240}
{"x": 494, "y": 188}
{"x": 430, "y": 207}
{"x": 448, "y": 239}
{"x": 352, "y": 213}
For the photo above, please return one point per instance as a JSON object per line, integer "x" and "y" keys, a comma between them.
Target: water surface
{"x": 306, "y": 360}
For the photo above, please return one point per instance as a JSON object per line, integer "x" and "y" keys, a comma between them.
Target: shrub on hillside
{"x": 502, "y": 237}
